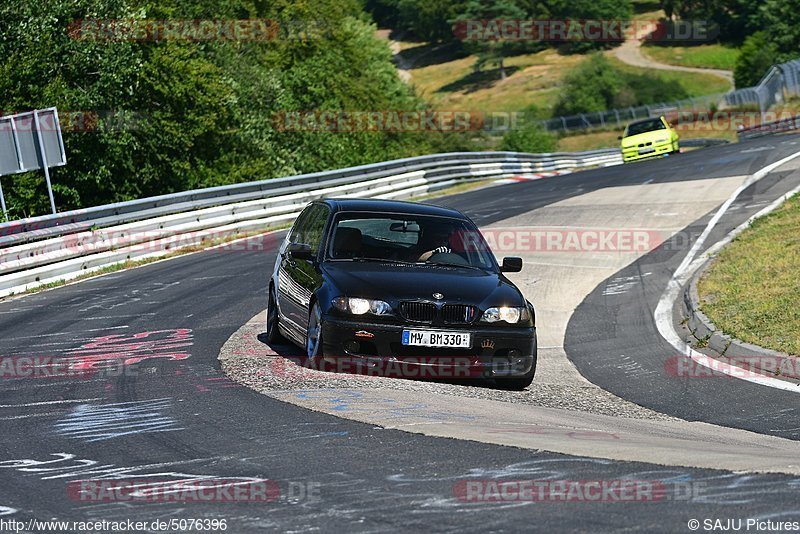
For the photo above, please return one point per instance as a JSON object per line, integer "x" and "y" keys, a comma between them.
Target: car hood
{"x": 395, "y": 282}
{"x": 634, "y": 140}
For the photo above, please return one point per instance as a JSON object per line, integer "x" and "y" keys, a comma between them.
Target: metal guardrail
{"x": 620, "y": 117}
{"x": 787, "y": 124}
{"x": 780, "y": 83}
{"x": 34, "y": 228}
{"x": 45, "y": 249}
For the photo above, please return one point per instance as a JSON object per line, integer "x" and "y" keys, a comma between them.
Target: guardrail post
{"x": 45, "y": 165}
{"x": 3, "y": 202}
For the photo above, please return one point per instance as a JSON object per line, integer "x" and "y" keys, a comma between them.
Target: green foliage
{"x": 491, "y": 51}
{"x": 732, "y": 20}
{"x": 179, "y": 114}
{"x": 530, "y": 137}
{"x": 596, "y": 85}
{"x": 755, "y": 58}
{"x": 736, "y": 20}
{"x": 780, "y": 20}
{"x": 591, "y": 86}
{"x": 427, "y": 20}
{"x": 617, "y": 10}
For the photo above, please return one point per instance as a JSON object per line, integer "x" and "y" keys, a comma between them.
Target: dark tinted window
{"x": 315, "y": 225}
{"x": 297, "y": 227}
{"x": 406, "y": 238}
{"x": 645, "y": 126}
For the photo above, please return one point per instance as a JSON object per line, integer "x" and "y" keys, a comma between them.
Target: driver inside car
{"x": 434, "y": 240}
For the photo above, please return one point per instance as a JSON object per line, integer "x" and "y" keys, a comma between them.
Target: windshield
{"x": 408, "y": 239}
{"x": 645, "y": 126}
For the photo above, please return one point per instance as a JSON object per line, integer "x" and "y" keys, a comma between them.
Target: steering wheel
{"x": 448, "y": 257}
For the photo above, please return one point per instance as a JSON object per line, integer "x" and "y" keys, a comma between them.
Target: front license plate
{"x": 428, "y": 338}
{"x": 643, "y": 151}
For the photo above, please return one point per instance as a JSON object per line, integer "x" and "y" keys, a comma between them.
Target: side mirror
{"x": 619, "y": 138}
{"x": 511, "y": 264}
{"x": 300, "y": 251}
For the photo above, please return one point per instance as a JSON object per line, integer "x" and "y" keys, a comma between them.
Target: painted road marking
{"x": 689, "y": 265}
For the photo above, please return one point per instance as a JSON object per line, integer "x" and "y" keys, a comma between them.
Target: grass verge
{"x": 707, "y": 56}
{"x": 752, "y": 290}
{"x": 532, "y": 79}
{"x": 695, "y": 84}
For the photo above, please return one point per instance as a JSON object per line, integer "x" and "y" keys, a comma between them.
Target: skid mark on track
{"x": 113, "y": 350}
{"x": 98, "y": 422}
{"x": 623, "y": 284}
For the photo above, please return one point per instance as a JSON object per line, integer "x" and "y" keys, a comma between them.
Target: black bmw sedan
{"x": 400, "y": 288}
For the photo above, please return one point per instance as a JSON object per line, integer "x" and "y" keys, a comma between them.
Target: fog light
{"x": 352, "y": 346}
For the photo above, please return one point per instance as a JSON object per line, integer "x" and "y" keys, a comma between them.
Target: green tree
{"x": 205, "y": 111}
{"x": 530, "y": 137}
{"x": 757, "y": 55}
{"x": 596, "y": 85}
{"x": 491, "y": 48}
{"x": 780, "y": 20}
{"x": 590, "y": 86}
{"x": 597, "y": 10}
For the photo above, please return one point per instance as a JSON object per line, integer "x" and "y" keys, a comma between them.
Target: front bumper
{"x": 632, "y": 154}
{"x": 378, "y": 350}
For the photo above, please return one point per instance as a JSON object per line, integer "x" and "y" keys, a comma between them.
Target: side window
{"x": 317, "y": 217}
{"x": 297, "y": 228}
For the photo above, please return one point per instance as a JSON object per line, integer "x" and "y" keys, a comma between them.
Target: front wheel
{"x": 518, "y": 383}
{"x": 314, "y": 339}
{"x": 273, "y": 332}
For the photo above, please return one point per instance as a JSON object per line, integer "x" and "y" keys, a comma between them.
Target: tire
{"x": 273, "y": 319}
{"x": 518, "y": 383}
{"x": 314, "y": 344}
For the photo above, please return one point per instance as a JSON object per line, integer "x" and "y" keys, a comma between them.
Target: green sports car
{"x": 648, "y": 138}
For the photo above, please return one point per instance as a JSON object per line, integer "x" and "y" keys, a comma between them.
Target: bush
{"x": 755, "y": 59}
{"x": 530, "y": 137}
{"x": 591, "y": 86}
{"x": 596, "y": 85}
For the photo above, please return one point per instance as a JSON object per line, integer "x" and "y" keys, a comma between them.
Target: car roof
{"x": 390, "y": 206}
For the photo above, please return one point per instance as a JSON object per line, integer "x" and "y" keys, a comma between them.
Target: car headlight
{"x": 359, "y": 306}
{"x": 509, "y": 314}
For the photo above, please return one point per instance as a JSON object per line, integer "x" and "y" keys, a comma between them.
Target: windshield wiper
{"x": 381, "y": 260}
{"x": 448, "y": 264}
